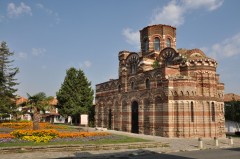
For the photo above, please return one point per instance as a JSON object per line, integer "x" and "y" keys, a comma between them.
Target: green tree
{"x": 155, "y": 64}
{"x": 7, "y": 81}
{"x": 36, "y": 103}
{"x": 75, "y": 96}
{"x": 232, "y": 111}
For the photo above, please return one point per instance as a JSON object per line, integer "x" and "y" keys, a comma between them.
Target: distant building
{"x": 162, "y": 90}
{"x": 231, "y": 97}
{"x": 50, "y": 115}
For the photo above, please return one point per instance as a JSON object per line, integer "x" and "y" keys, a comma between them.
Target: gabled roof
{"x": 21, "y": 100}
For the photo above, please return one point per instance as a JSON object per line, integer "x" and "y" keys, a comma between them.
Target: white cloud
{"x": 21, "y": 55}
{"x": 15, "y": 11}
{"x": 227, "y": 48}
{"x": 171, "y": 14}
{"x": 208, "y": 4}
{"x": 38, "y": 51}
{"x": 87, "y": 64}
{"x": 132, "y": 37}
{"x": 174, "y": 13}
{"x": 50, "y": 13}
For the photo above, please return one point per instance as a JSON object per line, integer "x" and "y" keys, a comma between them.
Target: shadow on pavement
{"x": 137, "y": 154}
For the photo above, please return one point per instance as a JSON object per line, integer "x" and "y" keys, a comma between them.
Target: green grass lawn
{"x": 112, "y": 139}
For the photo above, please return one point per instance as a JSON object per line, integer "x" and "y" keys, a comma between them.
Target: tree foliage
{"x": 155, "y": 64}
{"x": 36, "y": 103}
{"x": 232, "y": 111}
{"x": 75, "y": 96}
{"x": 7, "y": 80}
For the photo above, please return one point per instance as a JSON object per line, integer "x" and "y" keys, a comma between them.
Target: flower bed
{"x": 45, "y": 135}
{"x": 81, "y": 134}
{"x": 6, "y": 136}
{"x": 39, "y": 133}
{"x": 29, "y": 125}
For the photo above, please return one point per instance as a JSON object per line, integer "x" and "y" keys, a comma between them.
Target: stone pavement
{"x": 174, "y": 145}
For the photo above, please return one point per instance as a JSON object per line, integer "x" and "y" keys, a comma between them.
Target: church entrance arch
{"x": 135, "y": 126}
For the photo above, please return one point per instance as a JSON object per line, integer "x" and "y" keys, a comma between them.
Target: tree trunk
{"x": 36, "y": 119}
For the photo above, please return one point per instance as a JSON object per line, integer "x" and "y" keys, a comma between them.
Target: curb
{"x": 77, "y": 147}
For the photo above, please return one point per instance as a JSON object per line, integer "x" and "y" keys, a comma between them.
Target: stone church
{"x": 162, "y": 90}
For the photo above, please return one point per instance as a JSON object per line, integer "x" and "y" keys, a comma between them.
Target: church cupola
{"x": 157, "y": 37}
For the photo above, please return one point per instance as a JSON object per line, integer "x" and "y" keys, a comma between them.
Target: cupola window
{"x": 168, "y": 42}
{"x": 156, "y": 44}
{"x": 146, "y": 45}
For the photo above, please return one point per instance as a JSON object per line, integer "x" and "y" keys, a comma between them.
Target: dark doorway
{"x": 110, "y": 119}
{"x": 135, "y": 128}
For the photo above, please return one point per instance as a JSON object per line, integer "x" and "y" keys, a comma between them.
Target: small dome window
{"x": 156, "y": 44}
{"x": 168, "y": 42}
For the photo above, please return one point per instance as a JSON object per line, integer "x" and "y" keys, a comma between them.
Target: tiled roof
{"x": 231, "y": 96}
{"x": 21, "y": 100}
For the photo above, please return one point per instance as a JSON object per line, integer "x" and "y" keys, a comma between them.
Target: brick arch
{"x": 125, "y": 115}
{"x": 146, "y": 116}
{"x": 106, "y": 86}
{"x": 181, "y": 93}
{"x": 175, "y": 93}
{"x": 116, "y": 115}
{"x": 171, "y": 40}
{"x": 152, "y": 38}
{"x": 130, "y": 81}
{"x": 157, "y": 75}
{"x": 132, "y": 60}
{"x": 113, "y": 86}
{"x": 158, "y": 115}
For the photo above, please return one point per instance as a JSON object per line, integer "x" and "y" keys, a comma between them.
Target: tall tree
{"x": 36, "y": 103}
{"x": 7, "y": 80}
{"x": 232, "y": 111}
{"x": 75, "y": 96}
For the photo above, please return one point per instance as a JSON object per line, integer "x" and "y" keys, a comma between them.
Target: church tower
{"x": 155, "y": 38}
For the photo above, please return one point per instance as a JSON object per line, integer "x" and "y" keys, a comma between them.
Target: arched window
{"x": 213, "y": 112}
{"x": 133, "y": 68}
{"x": 119, "y": 88}
{"x": 133, "y": 86}
{"x": 168, "y": 42}
{"x": 147, "y": 83}
{"x": 156, "y": 44}
{"x": 146, "y": 45}
{"x": 192, "y": 112}
{"x": 182, "y": 93}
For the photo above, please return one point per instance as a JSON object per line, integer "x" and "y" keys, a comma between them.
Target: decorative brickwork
{"x": 181, "y": 96}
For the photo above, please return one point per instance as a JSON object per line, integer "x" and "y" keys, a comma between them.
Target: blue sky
{"x": 50, "y": 36}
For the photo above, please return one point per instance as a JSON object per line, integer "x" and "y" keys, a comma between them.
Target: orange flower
{"x": 6, "y": 136}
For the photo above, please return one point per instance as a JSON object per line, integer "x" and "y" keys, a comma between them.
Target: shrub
{"x": 237, "y": 133}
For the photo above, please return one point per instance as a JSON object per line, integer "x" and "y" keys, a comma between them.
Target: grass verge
{"x": 113, "y": 139}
